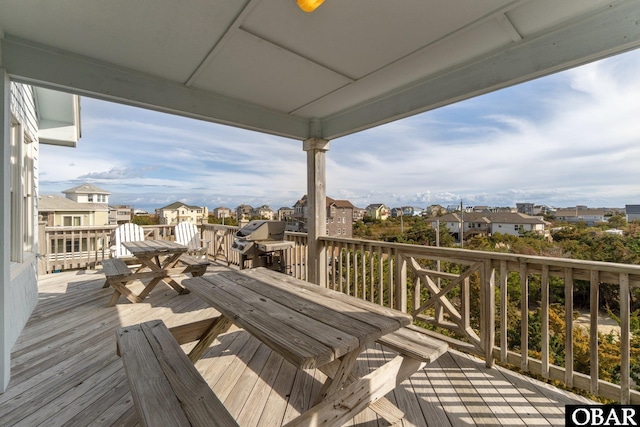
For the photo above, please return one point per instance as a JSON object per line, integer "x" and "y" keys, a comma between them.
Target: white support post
{"x": 5, "y": 224}
{"x": 316, "y": 149}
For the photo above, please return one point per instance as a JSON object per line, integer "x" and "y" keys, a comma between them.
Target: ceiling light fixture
{"x": 309, "y": 5}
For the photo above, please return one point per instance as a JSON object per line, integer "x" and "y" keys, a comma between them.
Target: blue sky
{"x": 570, "y": 138}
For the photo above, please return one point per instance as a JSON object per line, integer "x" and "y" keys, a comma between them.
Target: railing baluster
{"x": 568, "y": 317}
{"x": 544, "y": 321}
{"x": 355, "y": 271}
{"x": 488, "y": 322}
{"x": 380, "y": 276}
{"x": 504, "y": 277}
{"x": 625, "y": 339}
{"x": 593, "y": 344}
{"x": 401, "y": 283}
{"x": 524, "y": 317}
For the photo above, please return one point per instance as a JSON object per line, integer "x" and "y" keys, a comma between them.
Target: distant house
{"x": 396, "y": 212}
{"x": 222, "y": 212}
{"x": 358, "y": 213}
{"x": 120, "y": 214}
{"x": 285, "y": 214}
{"x": 244, "y": 212}
{"x": 339, "y": 216}
{"x": 525, "y": 208}
{"x": 434, "y": 210}
{"x": 264, "y": 212}
{"x": 590, "y": 216}
{"x": 411, "y": 211}
{"x": 88, "y": 193}
{"x": 177, "y": 212}
{"x": 378, "y": 211}
{"x": 632, "y": 212}
{"x": 476, "y": 223}
{"x": 83, "y": 206}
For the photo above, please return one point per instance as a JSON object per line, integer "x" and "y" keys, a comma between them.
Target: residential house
{"x": 590, "y": 216}
{"x": 285, "y": 214}
{"x": 396, "y": 212}
{"x": 263, "y": 212}
{"x": 411, "y": 211}
{"x": 434, "y": 210}
{"x": 358, "y": 213}
{"x": 58, "y": 211}
{"x": 489, "y": 223}
{"x": 177, "y": 212}
{"x": 244, "y": 212}
{"x": 632, "y": 212}
{"x": 525, "y": 208}
{"x": 378, "y": 211}
{"x": 222, "y": 212}
{"x": 30, "y": 116}
{"x": 339, "y": 216}
{"x": 120, "y": 214}
{"x": 88, "y": 193}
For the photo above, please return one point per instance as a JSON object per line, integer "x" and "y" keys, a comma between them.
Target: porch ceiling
{"x": 268, "y": 66}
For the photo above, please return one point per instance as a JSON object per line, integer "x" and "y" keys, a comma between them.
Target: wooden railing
{"x": 460, "y": 295}
{"x": 464, "y": 295}
{"x": 67, "y": 248}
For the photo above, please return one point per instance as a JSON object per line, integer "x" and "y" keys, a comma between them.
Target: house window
{"x": 89, "y": 197}
{"x": 71, "y": 221}
{"x": 21, "y": 183}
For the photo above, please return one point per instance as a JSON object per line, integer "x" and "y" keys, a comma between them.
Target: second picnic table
{"x": 158, "y": 261}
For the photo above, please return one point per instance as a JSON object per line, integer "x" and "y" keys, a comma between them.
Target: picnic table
{"x": 157, "y": 260}
{"x": 312, "y": 327}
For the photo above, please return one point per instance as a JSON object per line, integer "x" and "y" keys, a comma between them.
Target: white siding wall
{"x": 20, "y": 291}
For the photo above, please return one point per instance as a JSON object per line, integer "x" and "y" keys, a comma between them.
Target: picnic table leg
{"x": 219, "y": 326}
{"x": 343, "y": 405}
{"x": 120, "y": 288}
{"x": 383, "y": 406}
{"x": 335, "y": 383}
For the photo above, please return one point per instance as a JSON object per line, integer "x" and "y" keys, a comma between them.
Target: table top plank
{"x": 151, "y": 248}
{"x": 340, "y": 341}
{"x": 339, "y": 315}
{"x": 295, "y": 346}
{"x": 387, "y": 319}
{"x": 308, "y": 325}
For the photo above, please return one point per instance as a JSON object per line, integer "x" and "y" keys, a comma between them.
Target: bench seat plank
{"x": 195, "y": 266}
{"x": 116, "y": 268}
{"x": 166, "y": 388}
{"x": 412, "y": 343}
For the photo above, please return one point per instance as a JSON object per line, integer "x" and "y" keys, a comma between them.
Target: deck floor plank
{"x": 65, "y": 370}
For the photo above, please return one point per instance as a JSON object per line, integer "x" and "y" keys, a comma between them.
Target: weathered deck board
{"x": 65, "y": 370}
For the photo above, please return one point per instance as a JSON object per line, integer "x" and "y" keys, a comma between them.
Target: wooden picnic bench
{"x": 167, "y": 389}
{"x": 409, "y": 342}
{"x": 196, "y": 266}
{"x": 311, "y": 326}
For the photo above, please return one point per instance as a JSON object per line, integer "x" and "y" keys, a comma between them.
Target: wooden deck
{"x": 65, "y": 370}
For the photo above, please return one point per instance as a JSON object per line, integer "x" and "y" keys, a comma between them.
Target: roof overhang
{"x": 267, "y": 66}
{"x": 58, "y": 115}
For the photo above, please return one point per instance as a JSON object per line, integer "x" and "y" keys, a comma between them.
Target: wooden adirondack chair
{"x": 187, "y": 234}
{"x": 128, "y": 232}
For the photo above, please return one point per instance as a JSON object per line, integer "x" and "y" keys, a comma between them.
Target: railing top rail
{"x": 76, "y": 228}
{"x": 495, "y": 256}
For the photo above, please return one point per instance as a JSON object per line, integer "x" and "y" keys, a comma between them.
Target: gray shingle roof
{"x": 86, "y": 189}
